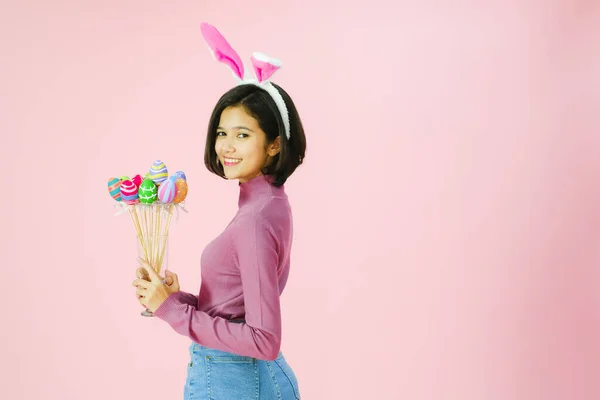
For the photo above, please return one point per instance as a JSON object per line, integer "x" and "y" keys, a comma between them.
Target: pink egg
{"x": 129, "y": 192}
{"x": 167, "y": 191}
{"x": 137, "y": 180}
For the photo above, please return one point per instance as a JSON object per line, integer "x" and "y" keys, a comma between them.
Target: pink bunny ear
{"x": 221, "y": 49}
{"x": 264, "y": 66}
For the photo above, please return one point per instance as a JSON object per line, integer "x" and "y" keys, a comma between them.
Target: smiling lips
{"x": 231, "y": 161}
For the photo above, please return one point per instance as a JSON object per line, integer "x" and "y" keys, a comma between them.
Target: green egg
{"x": 124, "y": 178}
{"x": 147, "y": 192}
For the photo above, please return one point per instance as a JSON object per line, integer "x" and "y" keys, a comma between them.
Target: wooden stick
{"x": 149, "y": 228}
{"x": 154, "y": 238}
{"x": 145, "y": 225}
{"x": 136, "y": 224}
{"x": 144, "y": 247}
{"x": 145, "y": 222}
{"x": 164, "y": 246}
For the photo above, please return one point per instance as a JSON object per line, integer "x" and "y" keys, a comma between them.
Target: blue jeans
{"x": 218, "y": 375}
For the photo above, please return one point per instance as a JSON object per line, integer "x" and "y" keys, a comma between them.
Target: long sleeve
{"x": 255, "y": 250}
{"x": 188, "y": 298}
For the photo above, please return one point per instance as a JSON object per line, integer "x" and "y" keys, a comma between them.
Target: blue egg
{"x": 179, "y": 174}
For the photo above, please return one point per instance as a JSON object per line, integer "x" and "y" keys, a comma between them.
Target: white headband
{"x": 264, "y": 68}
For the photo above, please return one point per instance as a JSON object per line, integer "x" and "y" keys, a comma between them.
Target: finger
{"x": 172, "y": 275}
{"x": 151, "y": 272}
{"x": 141, "y": 282}
{"x": 142, "y": 274}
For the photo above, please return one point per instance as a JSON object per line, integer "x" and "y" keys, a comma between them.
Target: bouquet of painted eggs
{"x": 156, "y": 186}
{"x": 150, "y": 202}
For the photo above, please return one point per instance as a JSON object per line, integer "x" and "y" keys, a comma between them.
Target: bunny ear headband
{"x": 264, "y": 68}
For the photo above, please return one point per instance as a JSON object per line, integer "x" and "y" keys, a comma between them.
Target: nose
{"x": 226, "y": 146}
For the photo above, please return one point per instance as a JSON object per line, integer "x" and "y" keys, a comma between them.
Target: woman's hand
{"x": 172, "y": 281}
{"x": 153, "y": 292}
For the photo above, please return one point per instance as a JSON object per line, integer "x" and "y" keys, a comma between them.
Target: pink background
{"x": 447, "y": 219}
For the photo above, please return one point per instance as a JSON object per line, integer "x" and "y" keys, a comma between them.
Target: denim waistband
{"x": 202, "y": 351}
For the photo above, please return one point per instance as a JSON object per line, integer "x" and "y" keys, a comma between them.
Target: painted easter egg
{"x": 147, "y": 176}
{"x": 147, "y": 192}
{"x": 179, "y": 174}
{"x": 167, "y": 191}
{"x": 129, "y": 192}
{"x": 114, "y": 188}
{"x": 158, "y": 172}
{"x": 124, "y": 178}
{"x": 137, "y": 180}
{"x": 182, "y": 190}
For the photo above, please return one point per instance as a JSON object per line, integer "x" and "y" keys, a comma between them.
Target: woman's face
{"x": 241, "y": 145}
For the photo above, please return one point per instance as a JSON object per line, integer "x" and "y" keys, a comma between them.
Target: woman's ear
{"x": 274, "y": 148}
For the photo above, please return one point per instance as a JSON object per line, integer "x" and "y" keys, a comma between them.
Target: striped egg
{"x": 137, "y": 180}
{"x": 182, "y": 190}
{"x": 167, "y": 191}
{"x": 129, "y": 192}
{"x": 179, "y": 174}
{"x": 114, "y": 188}
{"x": 158, "y": 172}
{"x": 147, "y": 192}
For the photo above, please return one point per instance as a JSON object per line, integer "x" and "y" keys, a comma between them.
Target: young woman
{"x": 235, "y": 321}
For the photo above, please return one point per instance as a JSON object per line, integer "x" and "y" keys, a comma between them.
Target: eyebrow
{"x": 237, "y": 127}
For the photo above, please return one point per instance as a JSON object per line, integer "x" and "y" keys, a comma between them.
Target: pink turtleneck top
{"x": 243, "y": 272}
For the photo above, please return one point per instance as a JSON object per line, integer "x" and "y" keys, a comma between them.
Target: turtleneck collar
{"x": 256, "y": 187}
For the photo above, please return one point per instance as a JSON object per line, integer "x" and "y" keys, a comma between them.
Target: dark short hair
{"x": 260, "y": 105}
